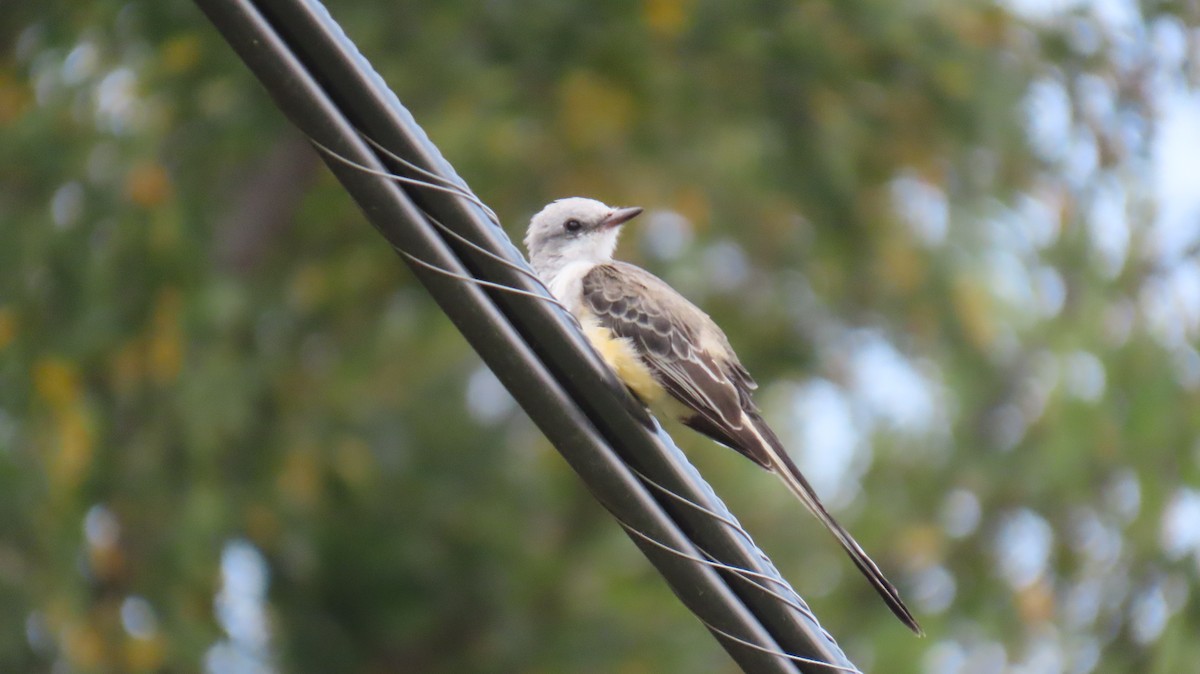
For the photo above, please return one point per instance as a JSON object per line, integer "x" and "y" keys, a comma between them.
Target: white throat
{"x": 567, "y": 285}
{"x": 585, "y": 252}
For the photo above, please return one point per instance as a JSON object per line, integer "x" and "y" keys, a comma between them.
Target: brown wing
{"x": 687, "y": 353}
{"x": 692, "y": 359}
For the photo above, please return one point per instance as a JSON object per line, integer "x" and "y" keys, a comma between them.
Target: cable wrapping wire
{"x": 327, "y": 88}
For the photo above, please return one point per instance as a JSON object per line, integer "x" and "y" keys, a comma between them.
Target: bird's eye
{"x": 573, "y": 225}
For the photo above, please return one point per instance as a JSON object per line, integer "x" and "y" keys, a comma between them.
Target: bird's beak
{"x": 620, "y": 216}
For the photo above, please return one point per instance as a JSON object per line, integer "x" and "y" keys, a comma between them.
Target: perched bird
{"x": 669, "y": 353}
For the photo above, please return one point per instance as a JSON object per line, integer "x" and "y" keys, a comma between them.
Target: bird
{"x": 669, "y": 353}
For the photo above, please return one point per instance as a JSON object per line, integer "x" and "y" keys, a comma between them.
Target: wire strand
{"x": 453, "y": 190}
{"x": 456, "y": 191}
{"x": 720, "y": 566}
{"x": 711, "y": 561}
{"x": 483, "y": 251}
{"x": 791, "y": 598}
{"x": 770, "y": 651}
{"x": 464, "y": 191}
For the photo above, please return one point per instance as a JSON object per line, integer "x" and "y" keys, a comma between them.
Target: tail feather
{"x": 783, "y": 466}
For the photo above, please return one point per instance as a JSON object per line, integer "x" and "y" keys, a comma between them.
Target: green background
{"x": 235, "y": 436}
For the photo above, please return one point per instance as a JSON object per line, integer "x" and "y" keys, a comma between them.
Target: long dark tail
{"x": 782, "y": 465}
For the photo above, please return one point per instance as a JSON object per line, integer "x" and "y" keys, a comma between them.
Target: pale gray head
{"x": 574, "y": 229}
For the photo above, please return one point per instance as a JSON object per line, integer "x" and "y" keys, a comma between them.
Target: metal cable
{"x": 322, "y": 83}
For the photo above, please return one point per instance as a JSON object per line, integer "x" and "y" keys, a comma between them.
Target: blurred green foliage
{"x": 210, "y": 365}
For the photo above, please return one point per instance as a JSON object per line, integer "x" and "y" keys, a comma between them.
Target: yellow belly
{"x": 622, "y": 357}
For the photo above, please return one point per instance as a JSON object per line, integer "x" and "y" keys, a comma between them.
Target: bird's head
{"x": 574, "y": 230}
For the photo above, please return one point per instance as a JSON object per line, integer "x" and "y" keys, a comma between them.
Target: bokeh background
{"x": 955, "y": 241}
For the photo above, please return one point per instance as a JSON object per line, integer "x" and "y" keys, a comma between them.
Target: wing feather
{"x": 670, "y": 334}
{"x": 689, "y": 355}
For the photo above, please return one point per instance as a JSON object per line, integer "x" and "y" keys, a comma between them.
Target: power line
{"x": 454, "y": 246}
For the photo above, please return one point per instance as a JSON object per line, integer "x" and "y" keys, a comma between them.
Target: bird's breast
{"x": 567, "y": 285}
